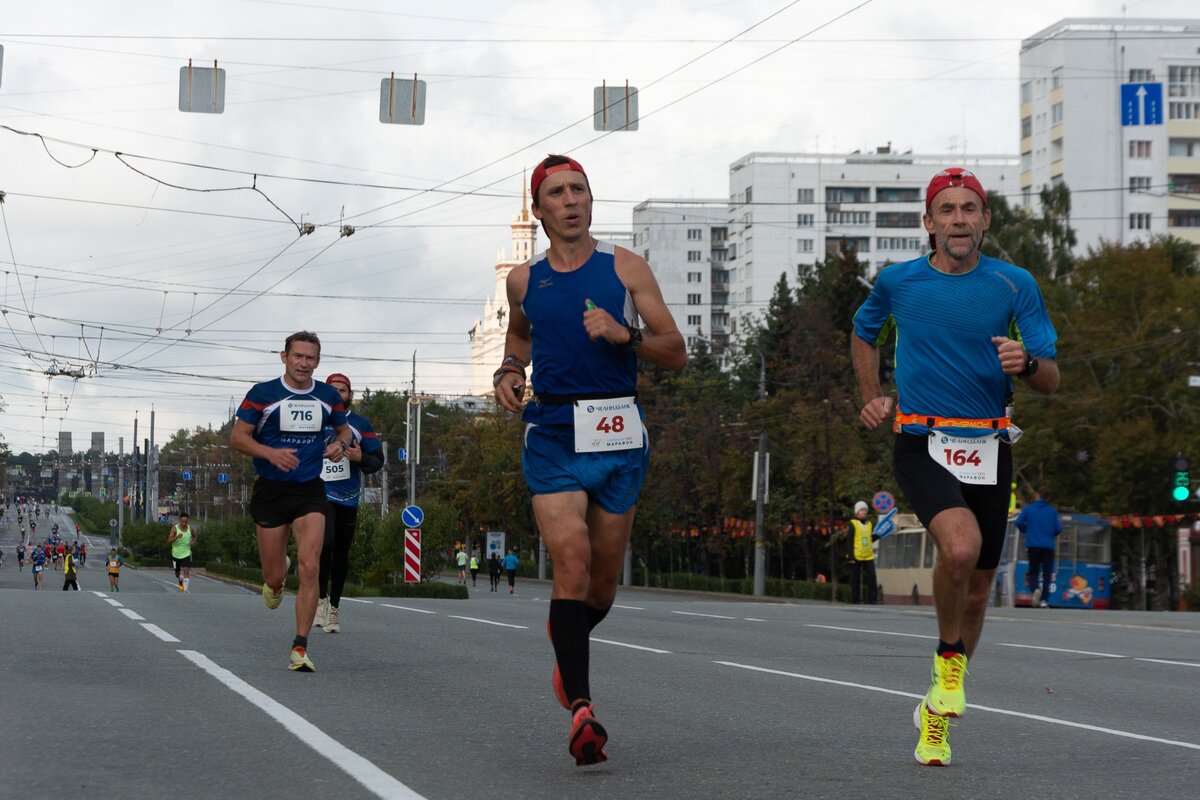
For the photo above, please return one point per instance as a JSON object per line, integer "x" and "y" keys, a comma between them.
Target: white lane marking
{"x": 867, "y": 630}
{"x": 489, "y": 622}
{"x": 631, "y": 646}
{"x": 697, "y": 614}
{"x": 405, "y": 608}
{"x": 113, "y": 603}
{"x": 98, "y": 594}
{"x": 629, "y": 608}
{"x": 1004, "y": 711}
{"x": 1165, "y": 661}
{"x": 159, "y": 632}
{"x": 356, "y": 600}
{"x": 753, "y": 619}
{"x": 1059, "y": 650}
{"x": 130, "y": 613}
{"x": 360, "y": 769}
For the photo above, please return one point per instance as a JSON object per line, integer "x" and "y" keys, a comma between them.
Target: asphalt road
{"x": 151, "y": 693}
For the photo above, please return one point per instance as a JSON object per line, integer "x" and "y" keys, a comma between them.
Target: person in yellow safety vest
{"x": 862, "y": 537}
{"x": 474, "y": 567}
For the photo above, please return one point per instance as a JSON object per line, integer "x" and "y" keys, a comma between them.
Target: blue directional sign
{"x": 1141, "y": 104}
{"x": 402, "y": 454}
{"x": 222, "y": 477}
{"x": 187, "y": 475}
{"x": 412, "y": 516}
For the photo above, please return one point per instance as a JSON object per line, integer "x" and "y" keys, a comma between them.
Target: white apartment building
{"x": 1111, "y": 108}
{"x": 788, "y": 211}
{"x": 684, "y": 242}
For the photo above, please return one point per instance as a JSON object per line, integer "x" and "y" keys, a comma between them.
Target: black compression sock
{"x": 569, "y": 634}
{"x": 596, "y": 615}
{"x": 301, "y": 641}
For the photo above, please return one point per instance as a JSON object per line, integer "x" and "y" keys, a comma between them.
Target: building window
{"x": 693, "y": 300}
{"x": 749, "y": 194}
{"x": 1184, "y": 148}
{"x": 848, "y": 218}
{"x": 804, "y": 195}
{"x": 1139, "y": 222}
{"x": 718, "y": 255}
{"x": 1139, "y": 149}
{"x": 804, "y": 245}
{"x": 847, "y": 194}
{"x": 1056, "y": 77}
{"x": 694, "y": 320}
{"x": 1141, "y": 76}
{"x": 1026, "y": 127}
{"x": 695, "y": 277}
{"x": 695, "y": 234}
{"x": 1056, "y": 113}
{"x": 897, "y": 219}
{"x": 1139, "y": 184}
{"x": 804, "y": 220}
{"x": 1183, "y": 81}
{"x": 1026, "y": 92}
{"x": 894, "y": 194}
{"x": 1183, "y": 110}
{"x": 717, "y": 235}
{"x": 695, "y": 255}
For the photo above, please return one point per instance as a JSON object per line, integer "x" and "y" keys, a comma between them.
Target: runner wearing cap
{"x": 966, "y": 324}
{"x": 574, "y": 311}
{"x": 343, "y": 484}
{"x": 282, "y": 423}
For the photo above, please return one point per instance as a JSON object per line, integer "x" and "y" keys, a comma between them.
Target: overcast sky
{"x": 163, "y": 289}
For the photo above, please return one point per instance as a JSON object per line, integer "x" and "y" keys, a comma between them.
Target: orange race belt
{"x": 997, "y": 424}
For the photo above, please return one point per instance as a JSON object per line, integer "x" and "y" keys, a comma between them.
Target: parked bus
{"x": 1082, "y": 576}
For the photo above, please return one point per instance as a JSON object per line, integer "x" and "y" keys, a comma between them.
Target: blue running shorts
{"x": 612, "y": 480}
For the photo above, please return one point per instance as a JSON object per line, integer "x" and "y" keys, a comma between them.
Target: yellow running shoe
{"x": 271, "y": 597}
{"x": 946, "y": 696}
{"x": 933, "y": 746}
{"x": 300, "y": 661}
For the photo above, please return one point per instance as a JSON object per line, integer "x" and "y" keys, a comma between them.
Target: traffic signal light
{"x": 1181, "y": 478}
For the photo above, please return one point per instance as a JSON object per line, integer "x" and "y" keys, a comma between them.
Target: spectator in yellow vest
{"x": 862, "y": 539}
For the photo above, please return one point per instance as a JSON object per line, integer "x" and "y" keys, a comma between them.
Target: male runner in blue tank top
{"x": 281, "y": 423}
{"x": 965, "y": 325}
{"x": 574, "y": 311}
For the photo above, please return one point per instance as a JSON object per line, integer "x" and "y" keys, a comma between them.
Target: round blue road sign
{"x": 412, "y": 516}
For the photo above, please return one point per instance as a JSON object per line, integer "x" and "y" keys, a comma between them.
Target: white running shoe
{"x": 322, "y": 618}
{"x": 334, "y": 623}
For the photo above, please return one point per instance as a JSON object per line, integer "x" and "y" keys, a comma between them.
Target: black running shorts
{"x": 277, "y": 503}
{"x": 930, "y": 489}
{"x": 180, "y": 563}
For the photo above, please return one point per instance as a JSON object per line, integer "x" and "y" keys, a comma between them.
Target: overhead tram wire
{"x": 606, "y": 134}
{"x": 21, "y": 288}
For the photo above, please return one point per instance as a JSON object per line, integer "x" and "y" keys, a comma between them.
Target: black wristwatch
{"x": 1031, "y": 366}
{"x": 635, "y": 337}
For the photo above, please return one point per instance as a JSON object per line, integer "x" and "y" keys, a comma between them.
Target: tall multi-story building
{"x": 684, "y": 242}
{"x": 1111, "y": 108}
{"x": 788, "y": 211}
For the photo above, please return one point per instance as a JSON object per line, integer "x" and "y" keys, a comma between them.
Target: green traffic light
{"x": 1180, "y": 493}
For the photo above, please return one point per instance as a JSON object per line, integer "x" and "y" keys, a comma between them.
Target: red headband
{"x": 540, "y": 173}
{"x": 955, "y": 176}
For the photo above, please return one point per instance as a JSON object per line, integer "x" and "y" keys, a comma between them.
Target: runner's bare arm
{"x": 242, "y": 440}
{"x": 1013, "y": 358}
{"x": 335, "y": 451}
{"x": 664, "y": 346}
{"x": 518, "y": 340}
{"x": 877, "y": 407}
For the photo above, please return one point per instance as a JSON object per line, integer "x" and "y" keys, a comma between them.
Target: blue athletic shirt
{"x": 946, "y": 364}
{"x": 345, "y": 492}
{"x": 565, "y": 360}
{"x": 264, "y": 408}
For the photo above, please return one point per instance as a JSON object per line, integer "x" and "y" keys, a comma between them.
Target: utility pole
{"x": 383, "y": 505}
{"x": 761, "y": 465}
{"x": 120, "y": 489}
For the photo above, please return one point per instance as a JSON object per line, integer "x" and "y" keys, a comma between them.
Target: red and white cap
{"x": 338, "y": 377}
{"x": 540, "y": 172}
{"x": 954, "y": 176}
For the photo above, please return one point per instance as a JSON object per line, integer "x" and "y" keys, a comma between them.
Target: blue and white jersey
{"x": 284, "y": 417}
{"x": 565, "y": 360}
{"x": 343, "y": 479}
{"x": 946, "y": 364}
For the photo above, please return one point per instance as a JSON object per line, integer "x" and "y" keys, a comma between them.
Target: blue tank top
{"x": 565, "y": 360}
